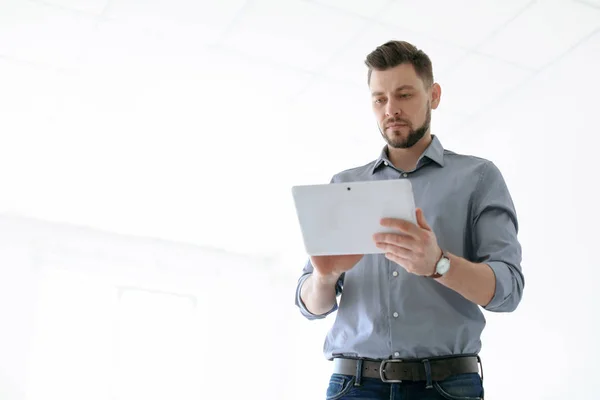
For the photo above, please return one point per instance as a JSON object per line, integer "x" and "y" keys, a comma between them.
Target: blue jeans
{"x": 457, "y": 387}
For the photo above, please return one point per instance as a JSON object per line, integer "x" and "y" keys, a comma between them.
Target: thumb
{"x": 421, "y": 220}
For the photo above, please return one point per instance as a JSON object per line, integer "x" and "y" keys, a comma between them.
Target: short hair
{"x": 396, "y": 52}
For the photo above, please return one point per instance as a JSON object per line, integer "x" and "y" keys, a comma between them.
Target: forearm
{"x": 318, "y": 293}
{"x": 475, "y": 282}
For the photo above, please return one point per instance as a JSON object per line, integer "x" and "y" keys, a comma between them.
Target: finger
{"x": 403, "y": 262}
{"x": 403, "y": 241}
{"x": 395, "y": 250}
{"x": 421, "y": 220}
{"x": 404, "y": 226}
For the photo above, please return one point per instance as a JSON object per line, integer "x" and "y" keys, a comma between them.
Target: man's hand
{"x": 318, "y": 291}
{"x": 329, "y": 268}
{"x": 415, "y": 248}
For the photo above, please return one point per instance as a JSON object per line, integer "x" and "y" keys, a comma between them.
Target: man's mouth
{"x": 397, "y": 125}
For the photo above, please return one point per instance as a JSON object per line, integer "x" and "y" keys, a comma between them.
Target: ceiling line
{"x": 475, "y": 49}
{"x": 338, "y": 51}
{"x": 75, "y": 11}
{"x": 587, "y": 3}
{"x": 227, "y": 30}
{"x": 505, "y": 24}
{"x": 501, "y": 98}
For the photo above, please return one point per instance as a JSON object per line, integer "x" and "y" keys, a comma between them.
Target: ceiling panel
{"x": 543, "y": 32}
{"x": 42, "y": 34}
{"x": 552, "y": 109}
{"x": 544, "y": 140}
{"x": 123, "y": 47}
{"x": 30, "y": 97}
{"x": 248, "y": 77}
{"x": 149, "y": 158}
{"x": 205, "y": 21}
{"x": 349, "y": 64}
{"x": 205, "y": 12}
{"x": 593, "y": 3}
{"x": 359, "y": 7}
{"x": 120, "y": 50}
{"x": 334, "y": 102}
{"x": 461, "y": 22}
{"x": 333, "y": 118}
{"x": 477, "y": 82}
{"x": 293, "y": 32}
{"x": 94, "y": 7}
{"x": 447, "y": 124}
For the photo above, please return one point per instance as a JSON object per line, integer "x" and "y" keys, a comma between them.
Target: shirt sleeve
{"x": 495, "y": 241}
{"x": 306, "y": 272}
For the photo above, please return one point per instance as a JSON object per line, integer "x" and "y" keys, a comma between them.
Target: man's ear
{"x": 436, "y": 94}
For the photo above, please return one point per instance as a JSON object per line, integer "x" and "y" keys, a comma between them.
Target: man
{"x": 409, "y": 320}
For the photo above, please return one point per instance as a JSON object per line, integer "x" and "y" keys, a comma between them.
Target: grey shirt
{"x": 386, "y": 312}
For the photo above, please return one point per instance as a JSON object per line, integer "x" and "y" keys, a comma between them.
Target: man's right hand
{"x": 318, "y": 291}
{"x": 328, "y": 269}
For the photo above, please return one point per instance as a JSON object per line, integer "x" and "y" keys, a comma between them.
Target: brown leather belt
{"x": 398, "y": 370}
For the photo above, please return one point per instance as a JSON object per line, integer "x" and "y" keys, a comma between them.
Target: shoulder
{"x": 361, "y": 173}
{"x": 488, "y": 181}
{"x": 480, "y": 167}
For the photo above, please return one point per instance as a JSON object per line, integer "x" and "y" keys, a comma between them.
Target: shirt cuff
{"x": 302, "y": 306}
{"x": 504, "y": 295}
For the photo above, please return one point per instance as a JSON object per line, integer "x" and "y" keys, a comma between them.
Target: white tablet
{"x": 341, "y": 218}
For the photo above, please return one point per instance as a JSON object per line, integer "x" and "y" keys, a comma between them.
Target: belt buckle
{"x": 382, "y": 371}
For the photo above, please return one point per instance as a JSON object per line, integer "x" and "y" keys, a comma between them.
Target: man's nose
{"x": 392, "y": 109}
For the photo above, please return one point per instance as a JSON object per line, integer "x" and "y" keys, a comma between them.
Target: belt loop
{"x": 359, "y": 368}
{"x": 480, "y": 366}
{"x": 429, "y": 384}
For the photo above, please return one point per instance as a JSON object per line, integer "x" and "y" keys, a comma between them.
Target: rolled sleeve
{"x": 307, "y": 272}
{"x": 509, "y": 287}
{"x": 495, "y": 241}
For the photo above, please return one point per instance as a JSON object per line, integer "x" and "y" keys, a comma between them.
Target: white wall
{"x": 196, "y": 317}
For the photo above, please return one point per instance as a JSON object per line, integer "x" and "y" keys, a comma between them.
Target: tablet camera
{"x": 348, "y": 188}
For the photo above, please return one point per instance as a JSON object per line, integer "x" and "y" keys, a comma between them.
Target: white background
{"x": 147, "y": 150}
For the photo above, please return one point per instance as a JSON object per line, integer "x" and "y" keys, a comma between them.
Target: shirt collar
{"x": 434, "y": 152}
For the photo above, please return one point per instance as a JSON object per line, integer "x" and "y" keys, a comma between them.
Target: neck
{"x": 406, "y": 159}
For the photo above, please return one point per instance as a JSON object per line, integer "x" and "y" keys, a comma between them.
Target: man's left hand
{"x": 414, "y": 248}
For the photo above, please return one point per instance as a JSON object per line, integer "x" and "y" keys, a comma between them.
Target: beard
{"x": 395, "y": 138}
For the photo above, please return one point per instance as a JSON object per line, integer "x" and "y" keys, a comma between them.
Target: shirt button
{"x": 395, "y": 273}
{"x": 395, "y": 315}
{"x": 396, "y": 354}
{"x": 385, "y": 163}
{"x": 405, "y": 174}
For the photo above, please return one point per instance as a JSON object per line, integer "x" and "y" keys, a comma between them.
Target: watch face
{"x": 443, "y": 266}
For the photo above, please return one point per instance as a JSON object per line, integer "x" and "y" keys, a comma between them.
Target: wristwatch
{"x": 442, "y": 266}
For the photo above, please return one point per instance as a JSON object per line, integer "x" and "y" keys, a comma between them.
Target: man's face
{"x": 402, "y": 104}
